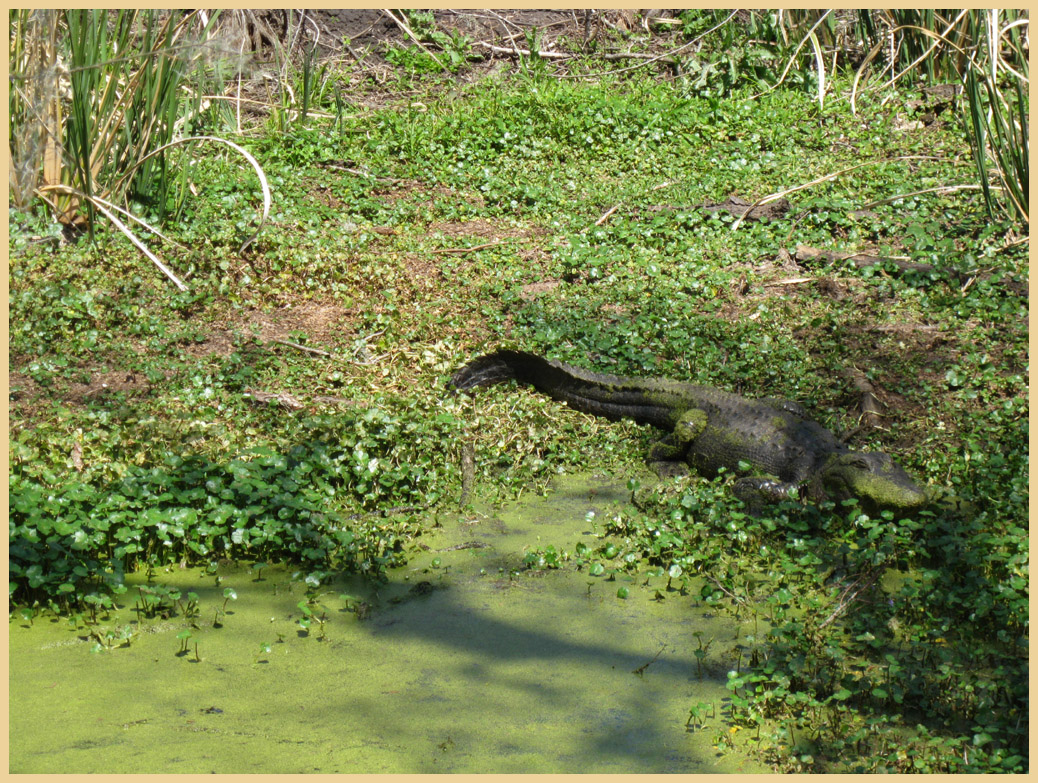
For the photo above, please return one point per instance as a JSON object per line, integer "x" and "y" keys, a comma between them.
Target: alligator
{"x": 770, "y": 443}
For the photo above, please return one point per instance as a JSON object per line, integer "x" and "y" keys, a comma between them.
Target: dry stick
{"x": 833, "y": 175}
{"x": 360, "y": 173}
{"x": 284, "y": 399}
{"x": 605, "y": 217}
{"x": 638, "y": 56}
{"x": 318, "y": 351}
{"x": 790, "y": 281}
{"x": 241, "y": 58}
{"x": 871, "y": 412}
{"x": 245, "y": 153}
{"x": 123, "y": 228}
{"x": 403, "y": 26}
{"x": 460, "y": 250}
{"x": 267, "y": 105}
{"x": 943, "y": 189}
{"x": 848, "y": 596}
{"x": 506, "y": 23}
{"x": 526, "y": 52}
{"x": 334, "y": 400}
{"x": 138, "y": 221}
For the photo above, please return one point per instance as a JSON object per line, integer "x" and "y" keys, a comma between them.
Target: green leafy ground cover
{"x": 143, "y": 431}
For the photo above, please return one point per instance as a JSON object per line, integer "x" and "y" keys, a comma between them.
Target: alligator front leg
{"x": 757, "y": 491}
{"x": 669, "y": 455}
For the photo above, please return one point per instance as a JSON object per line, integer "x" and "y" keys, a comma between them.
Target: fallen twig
{"x": 850, "y": 593}
{"x": 870, "y": 405}
{"x": 283, "y": 399}
{"x": 526, "y": 52}
{"x": 605, "y": 217}
{"x": 806, "y": 253}
{"x": 335, "y": 400}
{"x": 318, "y": 351}
{"x": 826, "y": 178}
{"x": 460, "y": 250}
{"x": 641, "y": 669}
{"x": 790, "y": 281}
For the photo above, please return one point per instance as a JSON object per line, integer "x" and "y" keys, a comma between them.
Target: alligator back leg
{"x": 669, "y": 456}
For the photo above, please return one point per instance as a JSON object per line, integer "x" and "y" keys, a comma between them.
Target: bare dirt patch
{"x": 532, "y": 290}
{"x": 322, "y": 322}
{"x": 104, "y": 383}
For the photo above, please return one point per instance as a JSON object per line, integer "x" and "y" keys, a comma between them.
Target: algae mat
{"x": 464, "y": 662}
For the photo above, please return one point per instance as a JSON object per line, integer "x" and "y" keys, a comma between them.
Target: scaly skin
{"x": 710, "y": 429}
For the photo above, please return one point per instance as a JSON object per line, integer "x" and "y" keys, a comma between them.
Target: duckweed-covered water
{"x": 457, "y": 665}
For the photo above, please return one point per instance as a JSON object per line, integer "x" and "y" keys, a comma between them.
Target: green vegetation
{"x": 290, "y": 404}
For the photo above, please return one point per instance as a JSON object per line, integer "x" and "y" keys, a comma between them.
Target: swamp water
{"x": 458, "y": 665}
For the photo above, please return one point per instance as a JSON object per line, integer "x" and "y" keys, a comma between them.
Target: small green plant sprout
{"x": 27, "y": 613}
{"x": 104, "y": 641}
{"x": 124, "y": 636}
{"x": 548, "y": 557}
{"x": 622, "y": 592}
{"x": 633, "y": 485}
{"x": 701, "y": 652}
{"x": 184, "y": 636}
{"x": 674, "y": 572}
{"x": 306, "y": 619}
{"x": 589, "y": 517}
{"x": 97, "y": 603}
{"x": 228, "y": 595}
{"x": 257, "y": 569}
{"x": 360, "y": 608}
{"x": 697, "y": 715}
{"x": 265, "y": 648}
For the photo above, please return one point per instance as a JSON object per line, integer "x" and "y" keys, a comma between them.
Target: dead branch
{"x": 850, "y": 594}
{"x": 605, "y": 217}
{"x": 460, "y": 250}
{"x": 870, "y": 405}
{"x": 297, "y": 346}
{"x": 283, "y": 399}
{"x": 805, "y": 253}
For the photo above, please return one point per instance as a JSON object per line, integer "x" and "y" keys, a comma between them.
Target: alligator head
{"x": 872, "y": 477}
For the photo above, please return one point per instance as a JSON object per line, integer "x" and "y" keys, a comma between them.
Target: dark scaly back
{"x": 656, "y": 402}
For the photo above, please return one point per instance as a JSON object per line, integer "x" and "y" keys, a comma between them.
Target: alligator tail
{"x": 499, "y": 367}
{"x": 610, "y": 396}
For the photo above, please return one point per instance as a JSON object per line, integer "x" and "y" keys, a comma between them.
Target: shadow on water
{"x": 466, "y": 665}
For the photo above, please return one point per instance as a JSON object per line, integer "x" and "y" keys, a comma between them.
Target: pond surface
{"x": 457, "y": 667}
